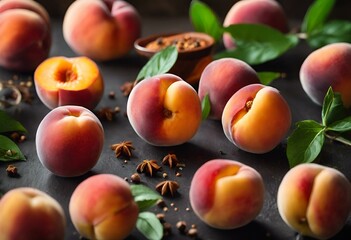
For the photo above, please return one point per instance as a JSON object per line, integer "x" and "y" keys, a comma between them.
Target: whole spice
{"x": 135, "y": 178}
{"x": 12, "y": 171}
{"x": 126, "y": 88}
{"x": 148, "y": 166}
{"x": 181, "y": 226}
{"x": 107, "y": 113}
{"x": 123, "y": 149}
{"x": 167, "y": 187}
{"x": 170, "y": 159}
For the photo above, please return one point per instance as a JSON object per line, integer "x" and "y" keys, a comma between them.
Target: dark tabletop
{"x": 209, "y": 143}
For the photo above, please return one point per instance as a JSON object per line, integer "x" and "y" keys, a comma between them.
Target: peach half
{"x": 314, "y": 200}
{"x": 256, "y": 118}
{"x": 226, "y": 194}
{"x": 164, "y": 110}
{"x": 69, "y": 81}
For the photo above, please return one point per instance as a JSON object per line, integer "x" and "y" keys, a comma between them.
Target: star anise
{"x": 126, "y": 88}
{"x": 148, "y": 167}
{"x": 123, "y": 149}
{"x": 170, "y": 159}
{"x": 108, "y": 113}
{"x": 167, "y": 187}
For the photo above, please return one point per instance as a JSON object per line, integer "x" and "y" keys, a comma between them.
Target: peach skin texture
{"x": 30, "y": 214}
{"x": 256, "y": 118}
{"x": 25, "y": 34}
{"x": 102, "y": 207}
{"x": 69, "y": 81}
{"x": 164, "y": 110}
{"x": 226, "y": 194}
{"x": 314, "y": 200}
{"x": 69, "y": 141}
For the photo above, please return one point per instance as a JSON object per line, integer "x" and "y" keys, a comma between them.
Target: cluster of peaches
{"x": 164, "y": 110}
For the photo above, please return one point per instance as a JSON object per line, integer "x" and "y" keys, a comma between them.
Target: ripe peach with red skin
{"x": 28, "y": 213}
{"x": 266, "y": 12}
{"x": 256, "y": 118}
{"x": 314, "y": 200}
{"x": 25, "y": 34}
{"x": 226, "y": 194}
{"x": 327, "y": 67}
{"x": 69, "y": 81}
{"x": 102, "y": 207}
{"x": 69, "y": 141}
{"x": 164, "y": 110}
{"x": 221, "y": 79}
{"x": 101, "y": 29}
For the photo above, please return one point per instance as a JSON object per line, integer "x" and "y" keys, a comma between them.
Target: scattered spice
{"x": 126, "y": 88}
{"x": 123, "y": 149}
{"x": 161, "y": 217}
{"x": 107, "y": 113}
{"x": 149, "y": 167}
{"x": 135, "y": 178}
{"x": 170, "y": 159}
{"x": 12, "y": 171}
{"x": 15, "y": 91}
{"x": 17, "y": 137}
{"x": 167, "y": 187}
{"x": 161, "y": 203}
{"x": 178, "y": 174}
{"x": 164, "y": 175}
{"x": 181, "y": 226}
{"x": 167, "y": 229}
{"x": 192, "y": 232}
{"x": 111, "y": 95}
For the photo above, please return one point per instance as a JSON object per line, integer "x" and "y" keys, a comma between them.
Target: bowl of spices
{"x": 194, "y": 52}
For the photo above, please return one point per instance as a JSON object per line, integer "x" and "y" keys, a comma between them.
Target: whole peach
{"x": 164, "y": 110}
{"x": 267, "y": 12}
{"x": 69, "y": 81}
{"x": 314, "y": 200}
{"x": 102, "y": 207}
{"x": 226, "y": 194}
{"x": 327, "y": 67}
{"x": 221, "y": 79}
{"x": 101, "y": 29}
{"x": 25, "y": 34}
{"x": 69, "y": 141}
{"x": 29, "y": 214}
{"x": 256, "y": 118}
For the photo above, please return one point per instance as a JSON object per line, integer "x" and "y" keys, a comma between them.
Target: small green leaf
{"x": 144, "y": 196}
{"x": 150, "y": 226}
{"x": 332, "y": 32}
{"x": 9, "y": 151}
{"x": 205, "y": 20}
{"x": 343, "y": 125}
{"x": 256, "y": 44}
{"x": 333, "y": 108}
{"x": 10, "y": 124}
{"x": 316, "y": 15}
{"x": 267, "y": 77}
{"x": 305, "y": 142}
{"x": 159, "y": 63}
{"x": 205, "y": 106}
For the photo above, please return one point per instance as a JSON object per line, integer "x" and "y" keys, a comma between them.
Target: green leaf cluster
{"x": 9, "y": 151}
{"x": 307, "y": 140}
{"x": 147, "y": 223}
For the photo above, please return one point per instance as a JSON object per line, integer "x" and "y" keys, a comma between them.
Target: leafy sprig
{"x": 306, "y": 141}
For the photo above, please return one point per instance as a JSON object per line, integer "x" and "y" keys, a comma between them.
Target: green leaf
{"x": 159, "y": 63}
{"x": 267, "y": 77}
{"x": 9, "y": 124}
{"x": 144, "y": 196}
{"x": 305, "y": 142}
{"x": 150, "y": 226}
{"x": 333, "y": 108}
{"x": 343, "y": 125}
{"x": 316, "y": 15}
{"x": 256, "y": 44}
{"x": 332, "y": 32}
{"x": 205, "y": 20}
{"x": 9, "y": 151}
{"x": 205, "y": 106}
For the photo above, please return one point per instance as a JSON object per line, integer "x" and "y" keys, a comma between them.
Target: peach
{"x": 327, "y": 67}
{"x": 314, "y": 200}
{"x": 221, "y": 79}
{"x": 266, "y": 12}
{"x": 226, "y": 194}
{"x": 69, "y": 141}
{"x": 102, "y": 207}
{"x": 69, "y": 81}
{"x": 256, "y": 118}
{"x": 164, "y": 110}
{"x": 101, "y": 29}
{"x": 25, "y": 34}
{"x": 28, "y": 213}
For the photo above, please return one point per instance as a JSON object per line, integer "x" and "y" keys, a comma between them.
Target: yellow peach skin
{"x": 314, "y": 200}
{"x": 226, "y": 194}
{"x": 164, "y": 110}
{"x": 256, "y": 118}
{"x": 69, "y": 81}
{"x": 102, "y": 207}
{"x": 30, "y": 214}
